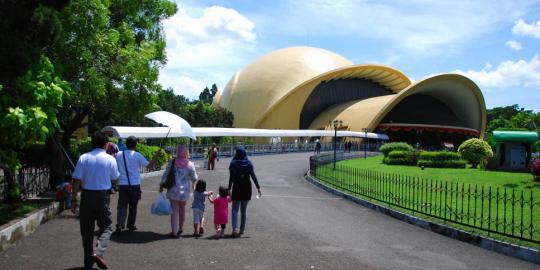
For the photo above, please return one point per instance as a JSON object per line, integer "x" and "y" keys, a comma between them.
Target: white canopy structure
{"x": 161, "y": 132}
{"x": 175, "y": 123}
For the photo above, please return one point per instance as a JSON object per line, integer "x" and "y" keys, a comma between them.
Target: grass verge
{"x": 9, "y": 212}
{"x": 495, "y": 204}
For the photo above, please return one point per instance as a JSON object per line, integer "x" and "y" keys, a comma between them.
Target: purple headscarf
{"x": 181, "y": 160}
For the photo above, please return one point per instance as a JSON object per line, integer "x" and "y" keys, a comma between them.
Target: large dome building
{"x": 306, "y": 88}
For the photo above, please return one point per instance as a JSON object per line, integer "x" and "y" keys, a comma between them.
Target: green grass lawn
{"x": 484, "y": 202}
{"x": 9, "y": 212}
{"x": 518, "y": 180}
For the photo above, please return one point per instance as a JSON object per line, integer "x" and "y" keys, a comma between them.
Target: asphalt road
{"x": 293, "y": 226}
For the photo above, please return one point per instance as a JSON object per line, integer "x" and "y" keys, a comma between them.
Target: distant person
{"x": 317, "y": 147}
{"x": 129, "y": 161}
{"x": 94, "y": 172}
{"x": 121, "y": 145}
{"x": 179, "y": 193}
{"x": 112, "y": 150}
{"x": 240, "y": 172}
{"x": 198, "y": 206}
{"x": 212, "y": 155}
{"x": 221, "y": 211}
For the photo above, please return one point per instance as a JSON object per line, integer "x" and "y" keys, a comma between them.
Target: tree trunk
{"x": 10, "y": 179}
{"x": 57, "y": 166}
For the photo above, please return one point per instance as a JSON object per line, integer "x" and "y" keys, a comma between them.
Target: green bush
{"x": 79, "y": 147}
{"x": 399, "y": 157}
{"x": 442, "y": 163}
{"x": 475, "y": 151}
{"x": 441, "y": 159}
{"x": 149, "y": 151}
{"x": 439, "y": 156}
{"x": 389, "y": 147}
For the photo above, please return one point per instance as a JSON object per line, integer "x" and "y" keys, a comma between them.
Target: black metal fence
{"x": 493, "y": 211}
{"x": 32, "y": 182}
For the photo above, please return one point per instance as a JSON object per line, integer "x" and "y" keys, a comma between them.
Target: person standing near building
{"x": 212, "y": 155}
{"x": 317, "y": 147}
{"x": 129, "y": 161}
{"x": 94, "y": 173}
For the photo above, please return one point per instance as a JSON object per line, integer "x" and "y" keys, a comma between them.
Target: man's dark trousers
{"x": 128, "y": 196}
{"x": 95, "y": 207}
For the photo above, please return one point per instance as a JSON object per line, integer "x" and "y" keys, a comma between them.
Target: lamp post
{"x": 336, "y": 124}
{"x": 365, "y": 130}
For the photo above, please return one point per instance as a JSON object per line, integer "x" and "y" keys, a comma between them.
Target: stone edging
{"x": 19, "y": 228}
{"x": 520, "y": 252}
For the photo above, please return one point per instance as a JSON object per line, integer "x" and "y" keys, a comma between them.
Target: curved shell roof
{"x": 270, "y": 92}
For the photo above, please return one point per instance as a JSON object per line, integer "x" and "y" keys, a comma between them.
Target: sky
{"x": 495, "y": 43}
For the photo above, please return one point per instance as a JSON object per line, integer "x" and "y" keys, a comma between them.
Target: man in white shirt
{"x": 94, "y": 173}
{"x": 129, "y": 162}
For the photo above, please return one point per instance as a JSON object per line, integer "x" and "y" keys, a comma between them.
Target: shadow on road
{"x": 138, "y": 237}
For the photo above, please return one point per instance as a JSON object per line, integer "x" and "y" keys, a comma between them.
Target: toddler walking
{"x": 221, "y": 210}
{"x": 199, "y": 198}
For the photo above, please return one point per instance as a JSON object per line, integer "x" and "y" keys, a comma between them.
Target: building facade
{"x": 307, "y": 88}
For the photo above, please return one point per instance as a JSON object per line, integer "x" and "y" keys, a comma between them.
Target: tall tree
{"x": 110, "y": 52}
{"x": 30, "y": 90}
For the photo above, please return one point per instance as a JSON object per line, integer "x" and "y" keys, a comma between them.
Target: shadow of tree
{"x": 138, "y": 237}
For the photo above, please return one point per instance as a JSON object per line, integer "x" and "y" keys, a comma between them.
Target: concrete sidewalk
{"x": 293, "y": 226}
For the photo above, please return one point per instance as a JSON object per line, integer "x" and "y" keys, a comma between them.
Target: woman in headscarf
{"x": 241, "y": 170}
{"x": 179, "y": 193}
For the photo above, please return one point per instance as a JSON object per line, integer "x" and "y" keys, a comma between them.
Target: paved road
{"x": 293, "y": 226}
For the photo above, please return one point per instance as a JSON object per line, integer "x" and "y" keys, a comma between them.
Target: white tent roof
{"x": 161, "y": 132}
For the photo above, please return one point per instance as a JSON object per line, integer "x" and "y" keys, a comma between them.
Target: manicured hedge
{"x": 439, "y": 156}
{"x": 443, "y": 164}
{"x": 399, "y": 157}
{"x": 442, "y": 159}
{"x": 389, "y": 147}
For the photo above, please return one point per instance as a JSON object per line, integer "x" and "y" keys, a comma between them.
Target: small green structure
{"x": 513, "y": 149}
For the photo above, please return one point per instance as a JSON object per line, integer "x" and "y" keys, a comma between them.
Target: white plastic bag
{"x": 161, "y": 206}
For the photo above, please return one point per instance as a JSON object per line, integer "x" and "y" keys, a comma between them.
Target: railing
{"x": 32, "y": 181}
{"x": 199, "y": 151}
{"x": 494, "y": 211}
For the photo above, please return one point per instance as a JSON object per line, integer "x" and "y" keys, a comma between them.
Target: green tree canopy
{"x": 110, "y": 52}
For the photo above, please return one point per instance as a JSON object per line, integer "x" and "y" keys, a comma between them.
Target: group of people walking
{"x": 96, "y": 172}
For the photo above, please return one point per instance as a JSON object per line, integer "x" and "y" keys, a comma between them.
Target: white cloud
{"x": 515, "y": 45}
{"x": 525, "y": 29}
{"x": 520, "y": 73}
{"x": 205, "y": 49}
{"x": 419, "y": 28}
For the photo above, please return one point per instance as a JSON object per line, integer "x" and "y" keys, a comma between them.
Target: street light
{"x": 336, "y": 124}
{"x": 365, "y": 130}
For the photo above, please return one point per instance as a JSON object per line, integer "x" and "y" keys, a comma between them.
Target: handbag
{"x": 169, "y": 182}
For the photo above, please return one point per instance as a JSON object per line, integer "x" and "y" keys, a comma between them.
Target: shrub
{"x": 439, "y": 156}
{"x": 475, "y": 151}
{"x": 442, "y": 163}
{"x": 534, "y": 167}
{"x": 149, "y": 151}
{"x": 442, "y": 159}
{"x": 389, "y": 147}
{"x": 79, "y": 147}
{"x": 399, "y": 157}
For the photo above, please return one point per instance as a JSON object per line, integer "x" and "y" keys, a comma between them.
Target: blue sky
{"x": 495, "y": 43}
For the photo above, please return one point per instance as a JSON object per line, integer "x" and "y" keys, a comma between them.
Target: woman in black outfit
{"x": 240, "y": 171}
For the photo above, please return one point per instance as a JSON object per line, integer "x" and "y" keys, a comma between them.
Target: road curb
{"x": 520, "y": 252}
{"x": 22, "y": 227}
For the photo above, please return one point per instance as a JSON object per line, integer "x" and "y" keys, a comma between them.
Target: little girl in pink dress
{"x": 221, "y": 210}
